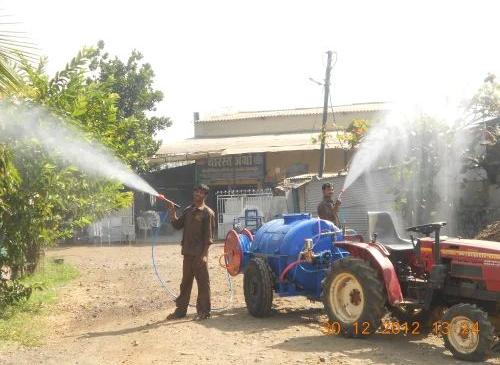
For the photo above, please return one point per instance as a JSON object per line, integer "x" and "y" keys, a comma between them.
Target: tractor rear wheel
{"x": 258, "y": 288}
{"x": 467, "y": 332}
{"x": 354, "y": 298}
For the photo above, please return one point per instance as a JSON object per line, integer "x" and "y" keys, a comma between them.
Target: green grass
{"x": 26, "y": 322}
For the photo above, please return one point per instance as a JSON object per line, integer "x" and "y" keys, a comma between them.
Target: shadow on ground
{"x": 379, "y": 348}
{"x": 235, "y": 319}
{"x": 126, "y": 331}
{"x": 239, "y": 320}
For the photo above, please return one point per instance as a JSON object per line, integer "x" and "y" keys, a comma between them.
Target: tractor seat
{"x": 382, "y": 224}
{"x": 398, "y": 244}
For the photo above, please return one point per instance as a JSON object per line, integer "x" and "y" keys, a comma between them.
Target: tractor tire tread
{"x": 258, "y": 266}
{"x": 486, "y": 331}
{"x": 374, "y": 293}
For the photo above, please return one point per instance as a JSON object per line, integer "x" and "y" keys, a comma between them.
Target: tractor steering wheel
{"x": 426, "y": 229}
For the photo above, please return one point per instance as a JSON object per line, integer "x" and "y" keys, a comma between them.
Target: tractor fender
{"x": 377, "y": 257}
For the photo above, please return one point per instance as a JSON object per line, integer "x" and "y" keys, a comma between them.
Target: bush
{"x": 27, "y": 321}
{"x": 12, "y": 292}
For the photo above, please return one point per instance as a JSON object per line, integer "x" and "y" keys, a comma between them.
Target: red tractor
{"x": 448, "y": 285}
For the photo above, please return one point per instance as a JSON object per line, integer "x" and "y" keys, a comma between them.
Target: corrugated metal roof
{"x": 480, "y": 123}
{"x": 194, "y": 148}
{"x": 349, "y": 108}
{"x": 294, "y": 182}
{"x": 310, "y": 176}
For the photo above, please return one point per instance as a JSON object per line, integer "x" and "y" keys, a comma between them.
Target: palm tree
{"x": 14, "y": 47}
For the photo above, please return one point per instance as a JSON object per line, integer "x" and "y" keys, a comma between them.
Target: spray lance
{"x": 338, "y": 199}
{"x": 162, "y": 197}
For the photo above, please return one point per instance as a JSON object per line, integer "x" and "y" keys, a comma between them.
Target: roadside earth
{"x": 114, "y": 313}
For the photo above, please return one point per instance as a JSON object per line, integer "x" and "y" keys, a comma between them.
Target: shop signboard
{"x": 230, "y": 169}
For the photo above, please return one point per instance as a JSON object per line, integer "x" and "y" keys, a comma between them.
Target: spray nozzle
{"x": 340, "y": 194}
{"x": 162, "y": 197}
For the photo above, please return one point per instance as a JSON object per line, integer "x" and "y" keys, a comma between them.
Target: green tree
{"x": 9, "y": 181}
{"x": 9, "y": 48}
{"x": 51, "y": 199}
{"x": 485, "y": 104}
{"x": 12, "y": 50}
{"x": 484, "y": 107}
{"x": 132, "y": 81}
{"x": 354, "y": 133}
{"x": 14, "y": 47}
{"x": 352, "y": 136}
{"x": 416, "y": 195}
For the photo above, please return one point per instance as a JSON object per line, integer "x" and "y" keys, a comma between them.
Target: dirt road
{"x": 114, "y": 313}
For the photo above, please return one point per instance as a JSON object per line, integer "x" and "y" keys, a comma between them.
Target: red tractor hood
{"x": 465, "y": 244}
{"x": 486, "y": 246}
{"x": 473, "y": 259}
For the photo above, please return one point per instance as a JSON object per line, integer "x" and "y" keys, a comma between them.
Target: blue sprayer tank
{"x": 281, "y": 242}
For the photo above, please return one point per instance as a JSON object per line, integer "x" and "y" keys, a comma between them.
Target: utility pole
{"x": 325, "y": 113}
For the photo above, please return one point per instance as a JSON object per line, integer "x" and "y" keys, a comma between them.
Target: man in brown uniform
{"x": 198, "y": 221}
{"x": 327, "y": 209}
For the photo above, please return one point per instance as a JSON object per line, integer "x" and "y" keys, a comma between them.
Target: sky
{"x": 217, "y": 57}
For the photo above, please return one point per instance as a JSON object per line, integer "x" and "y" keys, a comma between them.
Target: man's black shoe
{"x": 176, "y": 315}
{"x": 202, "y": 316}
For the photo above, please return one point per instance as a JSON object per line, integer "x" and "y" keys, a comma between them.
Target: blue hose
{"x": 172, "y": 295}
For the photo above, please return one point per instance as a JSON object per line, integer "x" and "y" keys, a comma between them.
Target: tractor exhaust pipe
{"x": 437, "y": 246}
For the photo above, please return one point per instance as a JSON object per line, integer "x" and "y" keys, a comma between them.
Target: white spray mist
{"x": 58, "y": 137}
{"x": 390, "y": 142}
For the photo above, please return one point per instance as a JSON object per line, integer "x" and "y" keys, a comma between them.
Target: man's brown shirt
{"x": 328, "y": 210}
{"x": 199, "y": 228}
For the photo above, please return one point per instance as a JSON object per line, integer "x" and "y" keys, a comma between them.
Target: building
{"x": 257, "y": 150}
{"x": 243, "y": 155}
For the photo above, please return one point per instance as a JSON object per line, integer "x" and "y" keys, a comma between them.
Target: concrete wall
{"x": 278, "y": 124}
{"x": 279, "y": 163}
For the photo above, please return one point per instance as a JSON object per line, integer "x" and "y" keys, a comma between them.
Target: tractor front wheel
{"x": 354, "y": 297}
{"x": 467, "y": 332}
{"x": 258, "y": 288}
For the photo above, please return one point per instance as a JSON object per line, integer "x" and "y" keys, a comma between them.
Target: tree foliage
{"x": 485, "y": 104}
{"x": 13, "y": 291}
{"x": 484, "y": 111}
{"x": 354, "y": 133}
{"x": 10, "y": 45}
{"x": 132, "y": 81}
{"x": 42, "y": 197}
{"x": 415, "y": 190}
{"x": 14, "y": 47}
{"x": 436, "y": 149}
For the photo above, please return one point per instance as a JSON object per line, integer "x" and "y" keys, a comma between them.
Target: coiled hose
{"x": 170, "y": 293}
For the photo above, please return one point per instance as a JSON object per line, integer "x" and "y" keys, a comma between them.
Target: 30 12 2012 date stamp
{"x": 414, "y": 328}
